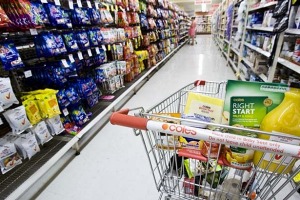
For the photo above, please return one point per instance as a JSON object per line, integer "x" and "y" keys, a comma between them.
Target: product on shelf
{"x": 9, "y": 56}
{"x": 42, "y": 133}
{"x": 17, "y": 119}
{"x": 55, "y": 125}
{"x": 7, "y": 95}
{"x": 9, "y": 157}
{"x": 27, "y": 145}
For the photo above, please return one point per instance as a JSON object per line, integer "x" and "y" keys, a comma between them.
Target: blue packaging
{"x": 10, "y": 56}
{"x": 93, "y": 38}
{"x": 82, "y": 40}
{"x": 70, "y": 42}
{"x": 79, "y": 116}
{"x": 60, "y": 45}
{"x": 38, "y": 14}
{"x": 72, "y": 95}
{"x": 62, "y": 99}
{"x": 94, "y": 16}
{"x": 55, "y": 13}
{"x": 80, "y": 16}
{"x": 100, "y": 37}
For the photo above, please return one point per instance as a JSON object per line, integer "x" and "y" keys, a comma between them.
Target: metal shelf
{"x": 263, "y": 6}
{"x": 267, "y": 29}
{"x": 257, "y": 49}
{"x": 232, "y": 64}
{"x": 235, "y": 51}
{"x": 263, "y": 77}
{"x": 293, "y": 31}
{"x": 250, "y": 64}
{"x": 226, "y": 41}
{"x": 289, "y": 65}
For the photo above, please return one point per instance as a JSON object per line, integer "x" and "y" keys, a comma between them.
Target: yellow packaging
{"x": 32, "y": 111}
{"x": 48, "y": 104}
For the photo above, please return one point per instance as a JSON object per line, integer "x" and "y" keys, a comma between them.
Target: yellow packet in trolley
{"x": 32, "y": 110}
{"x": 48, "y": 104}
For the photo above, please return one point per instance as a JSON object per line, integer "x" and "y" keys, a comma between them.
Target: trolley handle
{"x": 122, "y": 118}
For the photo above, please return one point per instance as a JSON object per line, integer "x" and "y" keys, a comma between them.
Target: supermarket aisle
{"x": 113, "y": 165}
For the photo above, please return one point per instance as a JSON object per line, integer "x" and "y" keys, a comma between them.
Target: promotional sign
{"x": 199, "y": 2}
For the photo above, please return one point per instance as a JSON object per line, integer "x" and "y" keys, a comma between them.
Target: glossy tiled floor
{"x": 113, "y": 166}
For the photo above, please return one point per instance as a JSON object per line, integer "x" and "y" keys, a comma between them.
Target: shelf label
{"x": 71, "y": 58}
{"x": 33, "y": 31}
{"x": 97, "y": 50}
{"x": 65, "y": 112}
{"x": 69, "y": 25}
{"x": 64, "y": 62}
{"x": 57, "y": 2}
{"x": 79, "y": 3}
{"x": 89, "y": 4}
{"x": 103, "y": 47}
{"x": 28, "y": 74}
{"x": 44, "y": 1}
{"x": 71, "y": 4}
{"x": 80, "y": 55}
{"x": 89, "y": 52}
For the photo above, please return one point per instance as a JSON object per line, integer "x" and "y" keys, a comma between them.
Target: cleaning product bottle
{"x": 284, "y": 120}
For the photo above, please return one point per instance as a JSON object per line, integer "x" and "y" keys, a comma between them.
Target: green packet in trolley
{"x": 247, "y": 103}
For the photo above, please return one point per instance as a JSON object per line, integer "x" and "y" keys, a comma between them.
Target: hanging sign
{"x": 199, "y": 2}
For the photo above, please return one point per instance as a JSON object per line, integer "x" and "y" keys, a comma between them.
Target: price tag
{"x": 103, "y": 47}
{"x": 89, "y": 52}
{"x": 69, "y": 25}
{"x": 71, "y": 4}
{"x": 33, "y": 31}
{"x": 89, "y": 4}
{"x": 108, "y": 47}
{"x": 64, "y": 62}
{"x": 79, "y": 3}
{"x": 65, "y": 112}
{"x": 97, "y": 5}
{"x": 1, "y": 122}
{"x": 44, "y": 1}
{"x": 28, "y": 74}
{"x": 57, "y": 2}
{"x": 80, "y": 55}
{"x": 97, "y": 50}
{"x": 71, "y": 58}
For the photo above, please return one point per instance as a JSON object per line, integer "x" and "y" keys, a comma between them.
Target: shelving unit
{"x": 203, "y": 22}
{"x": 239, "y": 46}
{"x": 25, "y": 180}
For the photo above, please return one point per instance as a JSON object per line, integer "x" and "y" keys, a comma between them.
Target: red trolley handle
{"x": 122, "y": 118}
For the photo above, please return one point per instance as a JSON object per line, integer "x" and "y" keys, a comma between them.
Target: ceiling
{"x": 190, "y": 7}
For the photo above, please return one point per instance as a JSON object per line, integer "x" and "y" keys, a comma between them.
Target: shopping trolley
{"x": 199, "y": 170}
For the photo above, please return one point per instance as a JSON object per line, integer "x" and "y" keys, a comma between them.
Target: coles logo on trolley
{"x": 178, "y": 129}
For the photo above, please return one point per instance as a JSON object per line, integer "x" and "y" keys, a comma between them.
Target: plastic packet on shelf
{"x": 9, "y": 157}
{"x": 42, "y": 132}
{"x": 79, "y": 116}
{"x": 17, "y": 119}
{"x": 9, "y": 56}
{"x": 32, "y": 110}
{"x": 7, "y": 95}
{"x": 55, "y": 125}
{"x": 27, "y": 144}
{"x": 48, "y": 104}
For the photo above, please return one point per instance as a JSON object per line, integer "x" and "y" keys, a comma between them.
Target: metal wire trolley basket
{"x": 199, "y": 169}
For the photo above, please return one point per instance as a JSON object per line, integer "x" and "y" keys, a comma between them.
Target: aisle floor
{"x": 113, "y": 165}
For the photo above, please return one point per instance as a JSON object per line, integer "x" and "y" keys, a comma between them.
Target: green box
{"x": 259, "y": 98}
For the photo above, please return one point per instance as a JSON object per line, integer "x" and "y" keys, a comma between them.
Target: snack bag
{"x": 7, "y": 95}
{"x": 38, "y": 14}
{"x": 9, "y": 56}
{"x": 42, "y": 133}
{"x": 17, "y": 119}
{"x": 48, "y": 104}
{"x": 32, "y": 110}
{"x": 27, "y": 144}
{"x": 9, "y": 158}
{"x": 55, "y": 125}
{"x": 70, "y": 42}
{"x": 79, "y": 116}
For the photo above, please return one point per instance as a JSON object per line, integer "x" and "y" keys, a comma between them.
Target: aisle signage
{"x": 199, "y": 2}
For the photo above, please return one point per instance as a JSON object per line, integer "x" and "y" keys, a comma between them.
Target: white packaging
{"x": 42, "y": 132}
{"x": 28, "y": 144}
{"x": 17, "y": 119}
{"x": 9, "y": 158}
{"x": 55, "y": 125}
{"x": 7, "y": 95}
